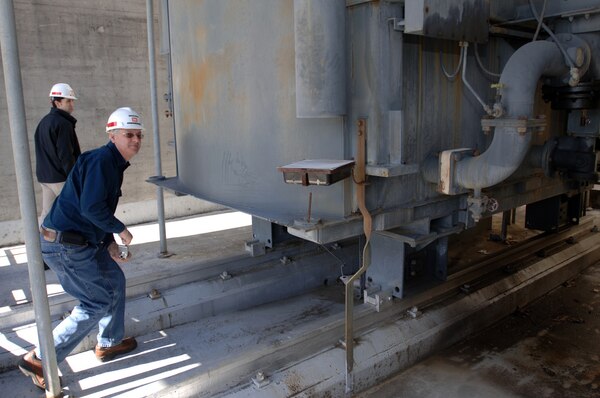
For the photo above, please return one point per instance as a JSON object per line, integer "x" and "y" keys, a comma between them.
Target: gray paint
{"x": 449, "y": 19}
{"x": 160, "y": 199}
{"x": 509, "y": 147}
{"x": 320, "y": 59}
{"x": 235, "y": 111}
{"x": 235, "y": 93}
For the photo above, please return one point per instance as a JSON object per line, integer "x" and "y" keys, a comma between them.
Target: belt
{"x": 71, "y": 238}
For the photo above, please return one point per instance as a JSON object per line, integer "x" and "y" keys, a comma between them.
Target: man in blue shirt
{"x": 77, "y": 243}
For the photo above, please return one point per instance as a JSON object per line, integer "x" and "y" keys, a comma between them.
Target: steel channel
{"x": 530, "y": 246}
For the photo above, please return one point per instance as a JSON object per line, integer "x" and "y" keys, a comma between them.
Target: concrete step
{"x": 248, "y": 282}
{"x": 293, "y": 342}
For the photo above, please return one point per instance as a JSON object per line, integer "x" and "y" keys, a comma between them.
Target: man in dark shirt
{"x": 56, "y": 145}
{"x": 77, "y": 243}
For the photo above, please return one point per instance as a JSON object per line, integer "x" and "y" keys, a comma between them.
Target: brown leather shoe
{"x": 107, "y": 353}
{"x": 31, "y": 366}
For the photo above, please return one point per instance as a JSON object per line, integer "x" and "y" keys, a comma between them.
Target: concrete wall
{"x": 100, "y": 49}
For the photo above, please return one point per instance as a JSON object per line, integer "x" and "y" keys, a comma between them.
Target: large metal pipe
{"x": 519, "y": 81}
{"x": 319, "y": 29}
{"x": 160, "y": 203}
{"x": 20, "y": 144}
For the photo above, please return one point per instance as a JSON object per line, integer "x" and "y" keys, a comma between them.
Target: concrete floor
{"x": 549, "y": 349}
{"x": 194, "y": 242}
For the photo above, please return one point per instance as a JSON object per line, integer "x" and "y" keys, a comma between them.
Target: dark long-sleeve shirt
{"x": 56, "y": 146}
{"x": 89, "y": 199}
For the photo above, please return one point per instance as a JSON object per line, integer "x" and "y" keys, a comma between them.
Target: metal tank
{"x": 453, "y": 110}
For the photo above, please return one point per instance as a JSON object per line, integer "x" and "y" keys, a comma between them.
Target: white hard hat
{"x": 62, "y": 90}
{"x": 124, "y": 118}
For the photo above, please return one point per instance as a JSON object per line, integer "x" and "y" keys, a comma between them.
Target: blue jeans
{"x": 89, "y": 274}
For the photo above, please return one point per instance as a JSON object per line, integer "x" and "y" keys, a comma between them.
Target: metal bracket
{"x": 398, "y": 24}
{"x": 392, "y": 170}
{"x": 377, "y": 300}
{"x": 448, "y": 160}
{"x": 260, "y": 380}
{"x": 414, "y": 312}
{"x": 225, "y": 275}
{"x": 522, "y": 125}
{"x": 255, "y": 247}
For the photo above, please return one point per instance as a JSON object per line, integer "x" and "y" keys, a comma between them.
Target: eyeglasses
{"x": 130, "y": 135}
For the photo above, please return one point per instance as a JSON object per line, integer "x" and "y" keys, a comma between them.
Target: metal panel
{"x": 320, "y": 29}
{"x": 519, "y": 10}
{"x": 448, "y": 19}
{"x": 234, "y": 92}
{"x": 387, "y": 268}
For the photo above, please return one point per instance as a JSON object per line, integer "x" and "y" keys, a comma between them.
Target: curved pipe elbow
{"x": 519, "y": 81}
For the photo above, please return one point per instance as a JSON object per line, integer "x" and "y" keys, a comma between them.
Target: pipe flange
{"x": 579, "y": 52}
{"x": 583, "y": 96}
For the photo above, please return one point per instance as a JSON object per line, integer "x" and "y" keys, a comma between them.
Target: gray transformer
{"x": 469, "y": 108}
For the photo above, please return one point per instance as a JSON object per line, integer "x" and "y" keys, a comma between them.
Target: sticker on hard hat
{"x": 134, "y": 120}
{"x": 111, "y": 124}
{"x": 56, "y": 93}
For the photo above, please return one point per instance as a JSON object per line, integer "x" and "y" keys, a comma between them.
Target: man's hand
{"x": 126, "y": 237}
{"x": 115, "y": 254}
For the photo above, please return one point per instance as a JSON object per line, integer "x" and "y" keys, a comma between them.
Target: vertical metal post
{"x": 360, "y": 179}
{"x": 506, "y": 216}
{"x": 20, "y": 144}
{"x": 160, "y": 203}
{"x": 441, "y": 261}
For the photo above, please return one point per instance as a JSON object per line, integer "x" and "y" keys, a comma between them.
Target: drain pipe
{"x": 20, "y": 144}
{"x": 511, "y": 142}
{"x": 160, "y": 203}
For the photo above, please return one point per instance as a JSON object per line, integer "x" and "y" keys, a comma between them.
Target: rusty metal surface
{"x": 235, "y": 116}
{"x": 450, "y": 20}
{"x": 235, "y": 112}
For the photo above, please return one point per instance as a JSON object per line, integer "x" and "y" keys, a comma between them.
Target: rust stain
{"x": 193, "y": 83}
{"x": 199, "y": 78}
{"x": 285, "y": 70}
{"x": 285, "y": 62}
{"x": 202, "y": 83}
{"x": 293, "y": 381}
{"x": 200, "y": 34}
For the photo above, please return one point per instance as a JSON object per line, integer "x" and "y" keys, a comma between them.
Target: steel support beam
{"x": 20, "y": 143}
{"x": 155, "y": 130}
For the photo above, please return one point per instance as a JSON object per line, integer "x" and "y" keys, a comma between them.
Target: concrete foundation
{"x": 100, "y": 49}
{"x": 287, "y": 348}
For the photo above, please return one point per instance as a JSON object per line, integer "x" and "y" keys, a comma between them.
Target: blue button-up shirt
{"x": 88, "y": 201}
